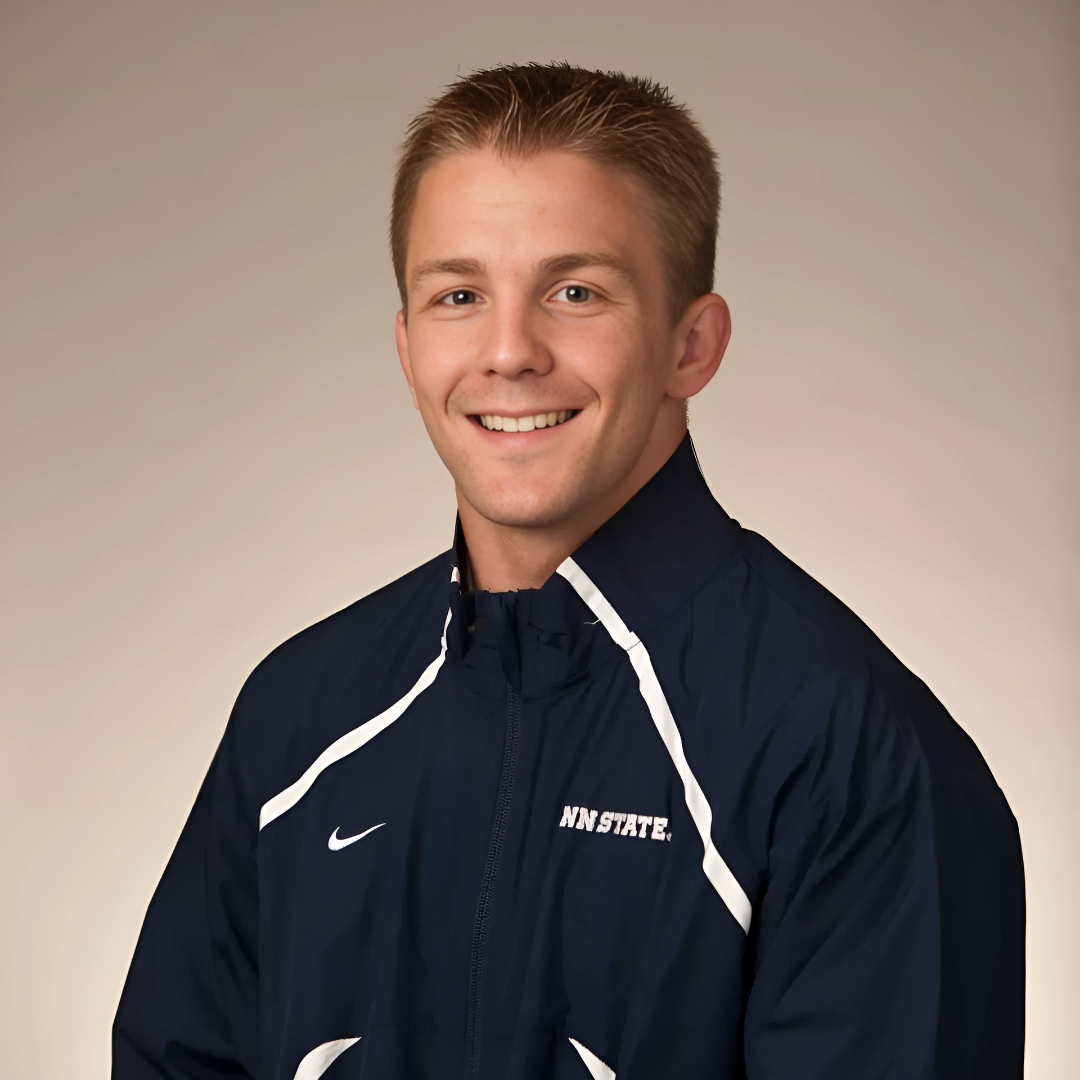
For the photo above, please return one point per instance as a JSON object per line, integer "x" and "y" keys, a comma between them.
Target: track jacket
{"x": 677, "y": 814}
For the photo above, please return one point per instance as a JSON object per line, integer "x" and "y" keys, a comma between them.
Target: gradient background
{"x": 207, "y": 443}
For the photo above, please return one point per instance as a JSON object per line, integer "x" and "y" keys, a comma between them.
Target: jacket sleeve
{"x": 189, "y": 1008}
{"x": 890, "y": 936}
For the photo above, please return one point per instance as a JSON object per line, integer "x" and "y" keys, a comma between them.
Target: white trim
{"x": 597, "y": 1069}
{"x": 716, "y": 870}
{"x": 351, "y": 741}
{"x": 317, "y": 1061}
{"x": 599, "y": 604}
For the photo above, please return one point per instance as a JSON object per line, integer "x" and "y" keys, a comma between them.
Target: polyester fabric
{"x": 676, "y": 814}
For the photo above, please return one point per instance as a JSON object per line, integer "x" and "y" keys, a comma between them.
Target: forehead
{"x": 485, "y": 206}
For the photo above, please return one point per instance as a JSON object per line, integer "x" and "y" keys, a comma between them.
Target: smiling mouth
{"x": 494, "y": 422}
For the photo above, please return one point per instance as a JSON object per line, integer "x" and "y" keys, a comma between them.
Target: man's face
{"x": 538, "y": 344}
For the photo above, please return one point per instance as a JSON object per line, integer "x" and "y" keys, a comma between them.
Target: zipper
{"x": 478, "y": 956}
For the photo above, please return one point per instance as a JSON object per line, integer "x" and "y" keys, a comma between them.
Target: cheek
{"x": 439, "y": 363}
{"x": 612, "y": 359}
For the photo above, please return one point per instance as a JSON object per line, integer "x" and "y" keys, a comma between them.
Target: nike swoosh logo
{"x": 336, "y": 843}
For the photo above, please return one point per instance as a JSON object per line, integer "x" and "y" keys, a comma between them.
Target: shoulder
{"x": 816, "y": 684}
{"x": 797, "y": 635}
{"x": 374, "y": 626}
{"x": 332, "y": 676}
{"x": 844, "y": 741}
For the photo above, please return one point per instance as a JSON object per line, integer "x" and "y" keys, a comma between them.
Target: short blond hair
{"x": 622, "y": 121}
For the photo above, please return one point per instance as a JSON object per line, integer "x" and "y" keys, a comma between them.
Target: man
{"x": 611, "y": 789}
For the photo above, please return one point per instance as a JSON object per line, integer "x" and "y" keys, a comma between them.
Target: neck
{"x": 505, "y": 558}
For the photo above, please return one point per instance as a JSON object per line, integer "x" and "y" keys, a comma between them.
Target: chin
{"x": 525, "y": 508}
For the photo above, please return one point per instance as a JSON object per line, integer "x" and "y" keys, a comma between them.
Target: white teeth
{"x": 494, "y": 422}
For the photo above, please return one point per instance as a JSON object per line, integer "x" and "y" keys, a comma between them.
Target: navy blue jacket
{"x": 676, "y": 814}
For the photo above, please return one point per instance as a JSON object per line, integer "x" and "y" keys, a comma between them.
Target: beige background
{"x": 207, "y": 443}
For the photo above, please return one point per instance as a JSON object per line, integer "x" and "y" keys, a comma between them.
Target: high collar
{"x": 648, "y": 559}
{"x": 656, "y": 552}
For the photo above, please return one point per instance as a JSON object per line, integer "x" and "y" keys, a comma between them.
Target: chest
{"x": 491, "y": 877}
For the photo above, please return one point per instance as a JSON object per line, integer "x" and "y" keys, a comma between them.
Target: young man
{"x": 611, "y": 789}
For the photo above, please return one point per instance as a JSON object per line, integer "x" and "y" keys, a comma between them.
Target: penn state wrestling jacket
{"x": 676, "y": 814}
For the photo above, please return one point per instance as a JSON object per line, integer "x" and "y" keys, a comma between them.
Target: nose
{"x": 514, "y": 346}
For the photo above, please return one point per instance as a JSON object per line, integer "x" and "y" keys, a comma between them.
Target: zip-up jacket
{"x": 676, "y": 814}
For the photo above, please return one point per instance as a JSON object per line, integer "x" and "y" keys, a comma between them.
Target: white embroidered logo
{"x": 336, "y": 843}
{"x": 618, "y": 824}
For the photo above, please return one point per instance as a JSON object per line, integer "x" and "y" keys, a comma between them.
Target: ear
{"x": 401, "y": 338}
{"x": 702, "y": 337}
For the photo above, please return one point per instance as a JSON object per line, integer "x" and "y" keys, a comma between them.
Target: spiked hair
{"x": 621, "y": 121}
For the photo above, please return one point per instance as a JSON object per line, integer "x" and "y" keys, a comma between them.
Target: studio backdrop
{"x": 207, "y": 443}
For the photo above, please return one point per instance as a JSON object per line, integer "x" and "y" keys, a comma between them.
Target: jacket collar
{"x": 651, "y": 556}
{"x": 662, "y": 546}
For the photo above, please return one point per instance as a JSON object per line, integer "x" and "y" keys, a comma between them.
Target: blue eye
{"x": 576, "y": 294}
{"x": 459, "y": 297}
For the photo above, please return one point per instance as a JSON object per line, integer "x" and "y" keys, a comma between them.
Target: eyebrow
{"x": 581, "y": 260}
{"x": 466, "y": 267}
{"x": 556, "y": 264}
